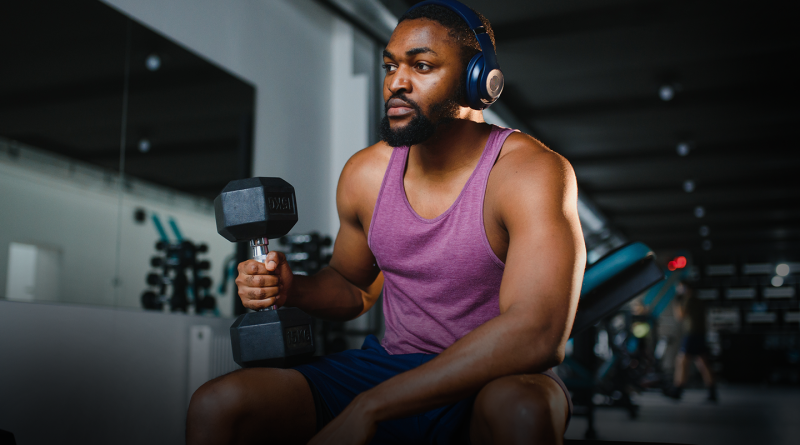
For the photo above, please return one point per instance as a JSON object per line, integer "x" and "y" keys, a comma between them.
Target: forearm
{"x": 500, "y": 347}
{"x": 327, "y": 295}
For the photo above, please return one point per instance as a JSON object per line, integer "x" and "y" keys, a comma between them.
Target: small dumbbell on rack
{"x": 305, "y": 252}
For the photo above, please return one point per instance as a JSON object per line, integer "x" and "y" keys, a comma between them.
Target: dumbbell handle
{"x": 260, "y": 248}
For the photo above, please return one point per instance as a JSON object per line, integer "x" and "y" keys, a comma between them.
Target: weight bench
{"x": 612, "y": 281}
{"x": 609, "y": 283}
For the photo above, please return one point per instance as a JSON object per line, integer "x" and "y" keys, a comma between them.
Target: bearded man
{"x": 472, "y": 233}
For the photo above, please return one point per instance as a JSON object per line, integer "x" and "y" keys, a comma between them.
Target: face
{"x": 422, "y": 83}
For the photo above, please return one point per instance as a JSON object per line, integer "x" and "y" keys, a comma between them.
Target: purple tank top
{"x": 441, "y": 277}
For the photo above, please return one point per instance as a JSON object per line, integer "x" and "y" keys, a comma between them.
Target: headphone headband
{"x": 459, "y": 8}
{"x": 473, "y": 21}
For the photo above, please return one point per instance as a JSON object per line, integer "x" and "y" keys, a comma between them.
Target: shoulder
{"x": 532, "y": 189}
{"x": 361, "y": 178}
{"x": 366, "y": 166}
{"x": 525, "y": 165}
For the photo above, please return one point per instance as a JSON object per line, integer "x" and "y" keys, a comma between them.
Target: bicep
{"x": 352, "y": 257}
{"x": 546, "y": 254}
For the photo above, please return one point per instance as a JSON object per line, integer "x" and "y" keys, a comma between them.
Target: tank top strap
{"x": 494, "y": 144}
{"x": 389, "y": 193}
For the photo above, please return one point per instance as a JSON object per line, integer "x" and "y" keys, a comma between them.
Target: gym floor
{"x": 744, "y": 415}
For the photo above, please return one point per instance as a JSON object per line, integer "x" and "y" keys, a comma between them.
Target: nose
{"x": 398, "y": 82}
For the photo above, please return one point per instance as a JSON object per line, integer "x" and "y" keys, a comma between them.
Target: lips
{"x": 397, "y": 107}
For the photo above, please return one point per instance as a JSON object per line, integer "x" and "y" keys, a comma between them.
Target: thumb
{"x": 274, "y": 260}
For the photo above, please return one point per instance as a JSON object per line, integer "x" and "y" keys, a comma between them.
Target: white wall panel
{"x": 91, "y": 375}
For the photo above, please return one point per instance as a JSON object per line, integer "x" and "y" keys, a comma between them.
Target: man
{"x": 692, "y": 312}
{"x": 472, "y": 233}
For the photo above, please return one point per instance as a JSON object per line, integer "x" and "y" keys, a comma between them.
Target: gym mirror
{"x": 112, "y": 137}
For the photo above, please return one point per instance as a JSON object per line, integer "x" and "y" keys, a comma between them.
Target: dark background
{"x": 585, "y": 77}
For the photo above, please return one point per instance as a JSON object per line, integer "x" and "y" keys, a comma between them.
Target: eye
{"x": 388, "y": 67}
{"x": 422, "y": 66}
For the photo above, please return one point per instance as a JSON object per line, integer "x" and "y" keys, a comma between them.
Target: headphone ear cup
{"x": 475, "y": 69}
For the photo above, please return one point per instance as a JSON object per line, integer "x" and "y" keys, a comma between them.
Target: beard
{"x": 421, "y": 127}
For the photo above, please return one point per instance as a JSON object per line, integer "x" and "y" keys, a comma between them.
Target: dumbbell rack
{"x": 180, "y": 283}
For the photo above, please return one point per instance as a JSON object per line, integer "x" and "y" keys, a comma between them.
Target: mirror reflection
{"x": 113, "y": 141}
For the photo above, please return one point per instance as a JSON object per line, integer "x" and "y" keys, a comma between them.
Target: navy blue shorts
{"x": 336, "y": 379}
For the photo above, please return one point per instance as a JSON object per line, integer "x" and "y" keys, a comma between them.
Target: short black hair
{"x": 458, "y": 28}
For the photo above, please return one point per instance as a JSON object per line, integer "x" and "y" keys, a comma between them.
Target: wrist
{"x": 294, "y": 293}
{"x": 368, "y": 405}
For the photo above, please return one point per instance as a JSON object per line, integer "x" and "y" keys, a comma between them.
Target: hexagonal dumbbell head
{"x": 272, "y": 338}
{"x": 255, "y": 208}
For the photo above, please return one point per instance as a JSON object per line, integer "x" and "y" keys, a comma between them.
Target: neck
{"x": 453, "y": 146}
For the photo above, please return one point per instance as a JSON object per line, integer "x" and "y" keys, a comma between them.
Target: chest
{"x": 456, "y": 201}
{"x": 431, "y": 197}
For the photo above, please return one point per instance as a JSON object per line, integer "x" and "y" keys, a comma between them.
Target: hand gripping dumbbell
{"x": 255, "y": 210}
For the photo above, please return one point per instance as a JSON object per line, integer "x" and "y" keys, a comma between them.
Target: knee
{"x": 521, "y": 411}
{"x": 508, "y": 402}
{"x": 217, "y": 401}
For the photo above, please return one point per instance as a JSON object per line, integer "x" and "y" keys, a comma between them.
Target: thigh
{"x": 528, "y": 408}
{"x": 253, "y": 405}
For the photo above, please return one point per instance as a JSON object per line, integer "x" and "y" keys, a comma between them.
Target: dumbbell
{"x": 257, "y": 210}
{"x": 151, "y": 300}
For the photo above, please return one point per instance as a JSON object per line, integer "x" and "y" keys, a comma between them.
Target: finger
{"x": 261, "y": 293}
{"x": 273, "y": 260}
{"x": 261, "y": 280}
{"x": 254, "y": 298}
{"x": 251, "y": 267}
{"x": 258, "y": 281}
{"x": 260, "y": 304}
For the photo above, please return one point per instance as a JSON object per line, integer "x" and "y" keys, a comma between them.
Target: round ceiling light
{"x": 699, "y": 211}
{"x": 153, "y": 62}
{"x": 666, "y": 92}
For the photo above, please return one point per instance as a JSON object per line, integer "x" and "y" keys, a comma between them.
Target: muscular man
{"x": 472, "y": 232}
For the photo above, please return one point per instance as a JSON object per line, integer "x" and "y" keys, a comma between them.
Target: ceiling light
{"x": 666, "y": 92}
{"x": 704, "y": 231}
{"x": 144, "y": 145}
{"x": 699, "y": 211}
{"x": 688, "y": 186}
{"x": 777, "y": 281}
{"x": 153, "y": 62}
{"x": 782, "y": 269}
{"x": 683, "y": 149}
{"x": 706, "y": 245}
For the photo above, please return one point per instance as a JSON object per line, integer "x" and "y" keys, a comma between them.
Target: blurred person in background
{"x": 692, "y": 312}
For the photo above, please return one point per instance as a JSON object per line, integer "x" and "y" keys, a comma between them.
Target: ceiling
{"x": 585, "y": 78}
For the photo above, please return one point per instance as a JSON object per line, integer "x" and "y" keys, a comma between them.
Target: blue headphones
{"x": 484, "y": 78}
